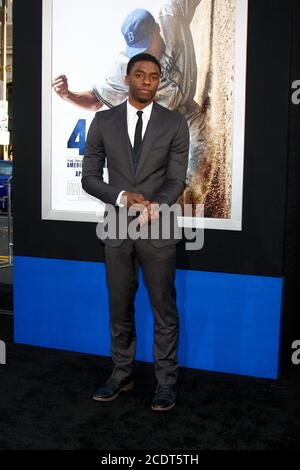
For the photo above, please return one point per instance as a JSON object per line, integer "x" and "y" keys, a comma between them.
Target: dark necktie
{"x": 138, "y": 132}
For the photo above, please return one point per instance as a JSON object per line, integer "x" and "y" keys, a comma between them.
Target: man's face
{"x": 143, "y": 82}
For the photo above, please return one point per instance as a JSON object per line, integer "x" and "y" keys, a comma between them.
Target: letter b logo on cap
{"x": 130, "y": 36}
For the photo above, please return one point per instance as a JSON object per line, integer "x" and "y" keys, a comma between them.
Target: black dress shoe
{"x": 111, "y": 389}
{"x": 164, "y": 398}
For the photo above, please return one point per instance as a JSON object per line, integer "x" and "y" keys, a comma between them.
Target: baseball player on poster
{"x": 170, "y": 40}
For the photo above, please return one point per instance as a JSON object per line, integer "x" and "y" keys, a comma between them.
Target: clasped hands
{"x": 137, "y": 203}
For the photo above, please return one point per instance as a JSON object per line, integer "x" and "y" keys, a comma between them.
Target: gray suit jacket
{"x": 162, "y": 165}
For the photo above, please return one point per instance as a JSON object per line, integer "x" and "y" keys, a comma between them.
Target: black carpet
{"x": 45, "y": 403}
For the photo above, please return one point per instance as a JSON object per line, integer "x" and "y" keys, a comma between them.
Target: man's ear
{"x": 126, "y": 79}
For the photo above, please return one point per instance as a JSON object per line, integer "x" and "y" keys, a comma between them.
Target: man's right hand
{"x": 128, "y": 199}
{"x": 60, "y": 86}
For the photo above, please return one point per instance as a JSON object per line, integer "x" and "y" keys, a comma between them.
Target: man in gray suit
{"x": 146, "y": 147}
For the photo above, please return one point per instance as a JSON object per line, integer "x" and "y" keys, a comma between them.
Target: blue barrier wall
{"x": 228, "y": 322}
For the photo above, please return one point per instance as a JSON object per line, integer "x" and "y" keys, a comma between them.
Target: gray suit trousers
{"x": 158, "y": 267}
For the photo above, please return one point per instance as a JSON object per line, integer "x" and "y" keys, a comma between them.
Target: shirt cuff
{"x": 118, "y": 201}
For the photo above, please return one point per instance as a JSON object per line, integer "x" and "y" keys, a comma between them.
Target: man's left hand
{"x": 150, "y": 213}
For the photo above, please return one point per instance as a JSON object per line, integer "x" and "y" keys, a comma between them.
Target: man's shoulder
{"x": 172, "y": 117}
{"x": 169, "y": 113}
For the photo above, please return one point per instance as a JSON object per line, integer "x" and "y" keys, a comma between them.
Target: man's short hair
{"x": 142, "y": 57}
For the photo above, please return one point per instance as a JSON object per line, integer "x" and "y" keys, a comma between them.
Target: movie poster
{"x": 201, "y": 45}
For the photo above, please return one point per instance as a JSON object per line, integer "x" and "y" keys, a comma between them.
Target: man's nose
{"x": 146, "y": 80}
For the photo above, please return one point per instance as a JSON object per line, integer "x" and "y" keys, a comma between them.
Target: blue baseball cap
{"x": 137, "y": 30}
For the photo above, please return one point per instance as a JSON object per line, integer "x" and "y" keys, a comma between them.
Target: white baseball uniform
{"x": 178, "y": 78}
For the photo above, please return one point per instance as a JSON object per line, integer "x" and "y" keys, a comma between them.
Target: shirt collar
{"x": 131, "y": 110}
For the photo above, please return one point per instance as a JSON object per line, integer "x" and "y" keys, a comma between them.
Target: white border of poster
{"x": 95, "y": 208}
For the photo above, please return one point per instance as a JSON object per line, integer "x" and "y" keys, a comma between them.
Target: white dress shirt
{"x": 132, "y": 119}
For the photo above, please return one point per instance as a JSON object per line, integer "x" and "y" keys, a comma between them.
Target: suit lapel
{"x": 151, "y": 132}
{"x": 122, "y": 136}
